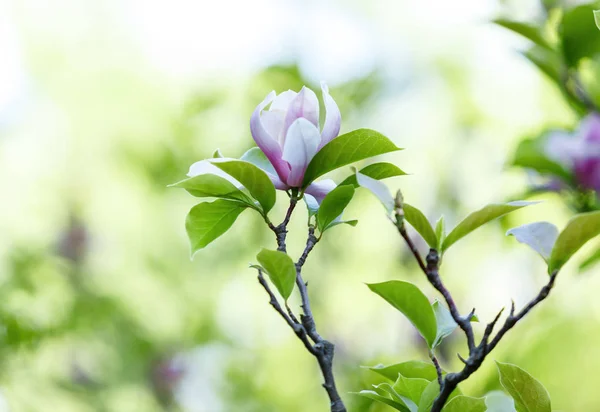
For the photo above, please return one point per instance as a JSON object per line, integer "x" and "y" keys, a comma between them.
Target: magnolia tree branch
{"x": 306, "y": 328}
{"x": 477, "y": 352}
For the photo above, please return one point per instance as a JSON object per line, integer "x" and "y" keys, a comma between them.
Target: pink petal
{"x": 301, "y": 144}
{"x": 320, "y": 189}
{"x": 283, "y": 101}
{"x": 267, "y": 143}
{"x": 333, "y": 117}
{"x": 305, "y": 105}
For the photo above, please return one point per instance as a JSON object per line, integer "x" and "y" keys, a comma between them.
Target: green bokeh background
{"x": 101, "y": 308}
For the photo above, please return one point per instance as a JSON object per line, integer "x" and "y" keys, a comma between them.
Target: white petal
{"x": 380, "y": 191}
{"x": 320, "y": 189}
{"x": 283, "y": 100}
{"x": 273, "y": 123}
{"x": 301, "y": 144}
{"x": 333, "y": 117}
{"x": 305, "y": 105}
{"x": 204, "y": 167}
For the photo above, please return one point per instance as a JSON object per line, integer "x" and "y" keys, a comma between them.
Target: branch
{"x": 438, "y": 368}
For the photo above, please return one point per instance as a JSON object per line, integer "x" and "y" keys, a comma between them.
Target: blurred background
{"x": 103, "y": 103}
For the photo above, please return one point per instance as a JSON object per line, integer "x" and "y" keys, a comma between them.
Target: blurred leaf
{"x": 259, "y": 159}
{"x": 579, "y": 34}
{"x": 528, "y": 393}
{"x": 409, "y": 300}
{"x": 412, "y": 388}
{"x": 440, "y": 232}
{"x": 578, "y": 231}
{"x": 345, "y": 149}
{"x": 445, "y": 322}
{"x": 591, "y": 260}
{"x": 379, "y": 398}
{"x": 409, "y": 369}
{"x": 530, "y": 154}
{"x": 254, "y": 179}
{"x": 333, "y": 205}
{"x": 548, "y": 62}
{"x": 207, "y": 221}
{"x": 527, "y": 30}
{"x": 378, "y": 189}
{"x": 418, "y": 220}
{"x": 597, "y": 18}
{"x": 281, "y": 270}
{"x": 430, "y": 393}
{"x": 498, "y": 401}
{"x": 540, "y": 236}
{"x": 389, "y": 390}
{"x": 377, "y": 171}
{"x": 479, "y": 218}
{"x": 208, "y": 185}
{"x": 464, "y": 403}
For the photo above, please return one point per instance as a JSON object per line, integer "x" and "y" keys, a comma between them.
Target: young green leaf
{"x": 578, "y": 231}
{"x": 386, "y": 388}
{"x": 379, "y": 190}
{"x": 281, "y": 270}
{"x": 597, "y": 18}
{"x": 445, "y": 322}
{"x": 411, "y": 388}
{"x": 440, "y": 232}
{"x": 417, "y": 219}
{"x": 481, "y": 217}
{"x": 464, "y": 403}
{"x": 529, "y": 394}
{"x": 527, "y": 30}
{"x": 259, "y": 159}
{"x": 579, "y": 34}
{"x": 430, "y": 393}
{"x": 409, "y": 369}
{"x": 540, "y": 236}
{"x": 208, "y": 221}
{"x": 409, "y": 300}
{"x": 253, "y": 178}
{"x": 217, "y": 154}
{"x": 208, "y": 185}
{"x": 380, "y": 398}
{"x": 345, "y": 149}
{"x": 333, "y": 205}
{"x": 591, "y": 260}
{"x": 498, "y": 401}
{"x": 377, "y": 171}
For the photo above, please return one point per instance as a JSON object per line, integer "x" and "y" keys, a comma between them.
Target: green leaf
{"x": 389, "y": 390}
{"x": 440, "y": 232}
{"x": 254, "y": 179}
{"x": 591, "y": 260}
{"x": 540, "y": 236}
{"x": 352, "y": 223}
{"x": 377, "y": 171}
{"x": 281, "y": 270}
{"x": 409, "y": 300}
{"x": 445, "y": 322}
{"x": 379, "y": 398}
{"x": 578, "y": 231}
{"x": 529, "y": 394}
{"x": 579, "y": 34}
{"x": 379, "y": 190}
{"x": 464, "y": 403}
{"x": 481, "y": 217}
{"x": 527, "y": 30}
{"x": 345, "y": 149}
{"x": 498, "y": 401}
{"x": 412, "y": 388}
{"x": 208, "y": 185}
{"x": 530, "y": 154}
{"x": 259, "y": 159}
{"x": 333, "y": 205}
{"x": 418, "y": 220}
{"x": 409, "y": 369}
{"x": 208, "y": 221}
{"x": 430, "y": 393}
{"x": 217, "y": 154}
{"x": 597, "y": 18}
{"x": 547, "y": 61}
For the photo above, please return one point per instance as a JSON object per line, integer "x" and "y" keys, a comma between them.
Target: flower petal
{"x": 272, "y": 121}
{"x": 590, "y": 128}
{"x": 301, "y": 144}
{"x": 333, "y": 117}
{"x": 318, "y": 190}
{"x": 267, "y": 143}
{"x": 305, "y": 105}
{"x": 283, "y": 100}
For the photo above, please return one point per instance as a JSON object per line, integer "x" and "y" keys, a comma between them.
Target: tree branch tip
{"x": 461, "y": 358}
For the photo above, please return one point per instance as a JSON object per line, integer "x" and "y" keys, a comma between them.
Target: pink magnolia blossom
{"x": 579, "y": 152}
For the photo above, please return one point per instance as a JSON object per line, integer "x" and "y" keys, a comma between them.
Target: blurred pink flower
{"x": 579, "y": 151}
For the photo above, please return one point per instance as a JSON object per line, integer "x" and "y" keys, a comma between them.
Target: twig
{"x": 438, "y": 368}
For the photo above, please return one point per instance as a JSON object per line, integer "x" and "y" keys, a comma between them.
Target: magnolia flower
{"x": 579, "y": 152}
{"x": 288, "y": 135}
{"x": 288, "y": 132}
